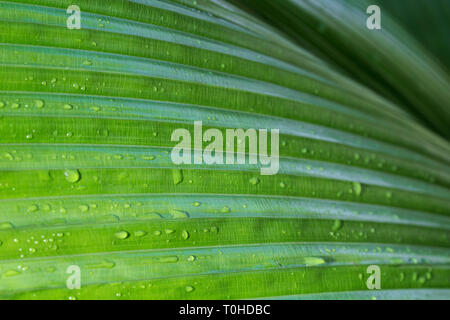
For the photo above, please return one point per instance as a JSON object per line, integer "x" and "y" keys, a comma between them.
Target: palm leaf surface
{"x": 86, "y": 175}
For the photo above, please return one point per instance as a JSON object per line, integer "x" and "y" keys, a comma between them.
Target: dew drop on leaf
{"x": 178, "y": 214}
{"x": 357, "y": 188}
{"x": 177, "y": 175}
{"x": 189, "y": 289}
{"x": 84, "y": 208}
{"x": 106, "y": 264}
{"x": 32, "y": 208}
{"x": 185, "y": 235}
{"x": 11, "y": 273}
{"x": 122, "y": 235}
{"x": 39, "y": 104}
{"x": 225, "y": 210}
{"x": 6, "y": 225}
{"x": 313, "y": 261}
{"x": 169, "y": 231}
{"x": 140, "y": 233}
{"x": 72, "y": 176}
{"x": 337, "y": 225}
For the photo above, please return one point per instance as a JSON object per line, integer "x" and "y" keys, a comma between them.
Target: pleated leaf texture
{"x": 87, "y": 179}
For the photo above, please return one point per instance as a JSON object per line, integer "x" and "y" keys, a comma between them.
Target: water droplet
{"x": 6, "y": 225}
{"x": 337, "y": 225}
{"x": 122, "y": 235}
{"x": 11, "y": 273}
{"x": 9, "y": 156}
{"x": 185, "y": 235}
{"x": 72, "y": 176}
{"x": 140, "y": 233}
{"x": 196, "y": 204}
{"x": 225, "y": 209}
{"x": 357, "y": 188}
{"x": 191, "y": 258}
{"x": 67, "y": 107}
{"x": 39, "y": 104}
{"x": 177, "y": 214}
{"x": 32, "y": 208}
{"x": 84, "y": 208}
{"x": 169, "y": 231}
{"x": 189, "y": 289}
{"x": 150, "y": 216}
{"x": 313, "y": 261}
{"x": 177, "y": 175}
{"x": 106, "y": 264}
{"x": 254, "y": 181}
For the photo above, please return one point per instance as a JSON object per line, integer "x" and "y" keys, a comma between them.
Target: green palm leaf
{"x": 86, "y": 176}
